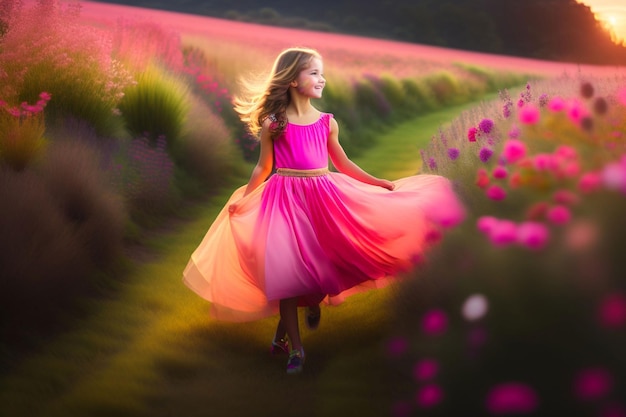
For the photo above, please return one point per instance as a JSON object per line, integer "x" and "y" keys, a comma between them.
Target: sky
{"x": 612, "y": 13}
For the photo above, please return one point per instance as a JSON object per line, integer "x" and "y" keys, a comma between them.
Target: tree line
{"x": 557, "y": 30}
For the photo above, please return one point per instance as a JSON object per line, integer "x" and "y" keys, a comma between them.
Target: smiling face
{"x": 310, "y": 81}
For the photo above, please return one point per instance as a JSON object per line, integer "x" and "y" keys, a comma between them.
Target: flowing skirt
{"x": 319, "y": 237}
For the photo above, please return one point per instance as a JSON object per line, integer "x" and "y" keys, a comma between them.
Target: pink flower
{"x": 533, "y": 235}
{"x": 514, "y": 133}
{"x": 577, "y": 111}
{"x": 504, "y": 233}
{"x": 614, "y": 177}
{"x": 512, "y": 398}
{"x": 471, "y": 134}
{"x": 566, "y": 197}
{"x": 45, "y": 96}
{"x": 425, "y": 369}
{"x": 566, "y": 151}
{"x": 557, "y": 104}
{"x": 435, "y": 322}
{"x": 559, "y": 214}
{"x": 514, "y": 150}
{"x": 486, "y": 224}
{"x": 500, "y": 172}
{"x": 496, "y": 193}
{"x": 482, "y": 178}
{"x": 429, "y": 396}
{"x": 543, "y": 162}
{"x": 589, "y": 182}
{"x": 529, "y": 115}
{"x": 612, "y": 310}
{"x": 593, "y": 384}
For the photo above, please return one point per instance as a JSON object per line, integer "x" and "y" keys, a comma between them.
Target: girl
{"x": 305, "y": 233}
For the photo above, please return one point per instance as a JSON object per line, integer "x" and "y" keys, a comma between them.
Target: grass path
{"x": 150, "y": 349}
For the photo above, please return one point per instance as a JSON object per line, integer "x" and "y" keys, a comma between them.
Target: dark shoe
{"x": 295, "y": 362}
{"x": 279, "y": 347}
{"x": 313, "y": 317}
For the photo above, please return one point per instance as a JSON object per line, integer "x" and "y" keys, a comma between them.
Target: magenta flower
{"x": 432, "y": 164}
{"x": 485, "y": 154}
{"x": 429, "y": 396}
{"x": 612, "y": 311}
{"x": 496, "y": 193}
{"x": 529, "y": 115}
{"x": 504, "y": 233}
{"x": 514, "y": 150}
{"x": 471, "y": 134}
{"x": 566, "y": 197}
{"x": 512, "y": 398}
{"x": 543, "y": 162}
{"x": 593, "y": 384}
{"x": 589, "y": 182}
{"x": 453, "y": 153}
{"x": 557, "y": 104}
{"x": 533, "y": 235}
{"x": 435, "y": 322}
{"x": 514, "y": 133}
{"x": 45, "y": 96}
{"x": 500, "y": 172}
{"x": 425, "y": 369}
{"x": 559, "y": 215}
{"x": 577, "y": 111}
{"x": 486, "y": 224}
{"x": 486, "y": 125}
{"x": 520, "y": 103}
{"x": 566, "y": 151}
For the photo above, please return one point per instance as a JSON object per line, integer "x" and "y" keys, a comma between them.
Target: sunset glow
{"x": 612, "y": 13}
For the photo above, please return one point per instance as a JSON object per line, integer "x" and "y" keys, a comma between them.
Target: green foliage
{"x": 21, "y": 139}
{"x": 156, "y": 106}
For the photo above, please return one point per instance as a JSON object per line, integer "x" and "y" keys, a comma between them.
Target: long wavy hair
{"x": 270, "y": 98}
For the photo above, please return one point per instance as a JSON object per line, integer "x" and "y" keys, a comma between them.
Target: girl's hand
{"x": 387, "y": 184}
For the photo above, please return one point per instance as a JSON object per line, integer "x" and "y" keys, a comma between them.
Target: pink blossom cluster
{"x": 25, "y": 109}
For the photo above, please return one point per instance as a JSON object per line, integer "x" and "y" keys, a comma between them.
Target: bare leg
{"x": 281, "y": 332}
{"x": 289, "y": 319}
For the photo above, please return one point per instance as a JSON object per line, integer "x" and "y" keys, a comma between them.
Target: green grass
{"x": 151, "y": 350}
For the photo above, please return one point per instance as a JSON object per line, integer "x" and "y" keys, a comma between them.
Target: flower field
{"x": 114, "y": 120}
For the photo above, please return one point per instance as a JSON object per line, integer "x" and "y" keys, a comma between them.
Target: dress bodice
{"x": 303, "y": 146}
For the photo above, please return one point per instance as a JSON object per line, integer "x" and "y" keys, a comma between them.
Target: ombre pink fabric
{"x": 318, "y": 237}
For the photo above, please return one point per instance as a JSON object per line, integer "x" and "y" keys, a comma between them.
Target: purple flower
{"x": 453, "y": 153}
{"x": 429, "y": 396}
{"x": 432, "y": 164}
{"x": 486, "y": 125}
{"x": 425, "y": 369}
{"x": 435, "y": 322}
{"x": 485, "y": 154}
{"x": 512, "y": 398}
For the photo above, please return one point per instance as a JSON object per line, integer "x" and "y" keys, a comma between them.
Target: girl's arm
{"x": 345, "y": 165}
{"x": 265, "y": 163}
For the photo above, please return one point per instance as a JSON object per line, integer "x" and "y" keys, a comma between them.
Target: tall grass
{"x": 156, "y": 106}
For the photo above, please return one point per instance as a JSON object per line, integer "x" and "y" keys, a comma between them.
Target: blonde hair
{"x": 270, "y": 98}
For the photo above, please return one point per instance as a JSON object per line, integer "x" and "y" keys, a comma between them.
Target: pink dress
{"x": 316, "y": 237}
